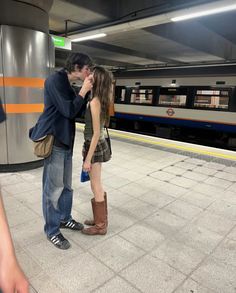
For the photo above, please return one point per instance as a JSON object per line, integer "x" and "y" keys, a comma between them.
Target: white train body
{"x": 196, "y": 102}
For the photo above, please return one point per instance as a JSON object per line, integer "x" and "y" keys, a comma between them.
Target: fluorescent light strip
{"x": 203, "y": 13}
{"x": 88, "y": 37}
{"x": 182, "y": 66}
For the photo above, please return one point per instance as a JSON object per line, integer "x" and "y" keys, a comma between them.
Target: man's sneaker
{"x": 59, "y": 241}
{"x": 73, "y": 225}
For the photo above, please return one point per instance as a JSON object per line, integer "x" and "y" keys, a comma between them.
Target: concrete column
{"x": 26, "y": 59}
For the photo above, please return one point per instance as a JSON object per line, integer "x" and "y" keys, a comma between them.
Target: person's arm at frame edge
{"x": 12, "y": 278}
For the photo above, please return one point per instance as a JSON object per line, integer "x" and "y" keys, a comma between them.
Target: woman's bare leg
{"x": 96, "y": 182}
{"x": 98, "y": 203}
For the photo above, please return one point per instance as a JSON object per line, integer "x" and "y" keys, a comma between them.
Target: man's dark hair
{"x": 78, "y": 59}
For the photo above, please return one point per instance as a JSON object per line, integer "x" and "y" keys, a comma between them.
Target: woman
{"x": 95, "y": 149}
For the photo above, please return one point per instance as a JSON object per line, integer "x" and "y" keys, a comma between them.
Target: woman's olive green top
{"x": 88, "y": 129}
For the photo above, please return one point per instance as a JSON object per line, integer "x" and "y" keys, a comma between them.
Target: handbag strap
{"x": 107, "y": 132}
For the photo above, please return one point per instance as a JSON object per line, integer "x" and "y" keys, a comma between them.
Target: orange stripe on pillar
{"x": 23, "y": 108}
{"x": 32, "y": 82}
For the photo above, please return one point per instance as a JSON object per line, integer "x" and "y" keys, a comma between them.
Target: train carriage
{"x": 207, "y": 111}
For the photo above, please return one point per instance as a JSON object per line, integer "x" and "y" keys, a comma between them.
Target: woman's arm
{"x": 12, "y": 279}
{"x": 95, "y": 107}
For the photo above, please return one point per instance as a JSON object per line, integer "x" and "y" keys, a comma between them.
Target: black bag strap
{"x": 107, "y": 132}
{"x": 108, "y": 140}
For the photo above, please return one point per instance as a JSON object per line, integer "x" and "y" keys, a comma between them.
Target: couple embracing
{"x": 61, "y": 106}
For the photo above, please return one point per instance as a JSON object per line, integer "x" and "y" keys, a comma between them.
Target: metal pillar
{"x": 26, "y": 59}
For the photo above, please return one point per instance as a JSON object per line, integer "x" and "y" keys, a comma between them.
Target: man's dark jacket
{"x": 2, "y": 114}
{"x": 61, "y": 106}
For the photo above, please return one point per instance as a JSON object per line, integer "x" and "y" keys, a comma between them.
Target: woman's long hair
{"x": 102, "y": 88}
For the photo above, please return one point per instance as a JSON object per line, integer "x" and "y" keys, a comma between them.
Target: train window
{"x": 173, "y": 97}
{"x": 172, "y": 100}
{"x": 216, "y": 99}
{"x": 122, "y": 96}
{"x": 141, "y": 96}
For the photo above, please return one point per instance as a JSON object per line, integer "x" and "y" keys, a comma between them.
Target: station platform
{"x": 172, "y": 222}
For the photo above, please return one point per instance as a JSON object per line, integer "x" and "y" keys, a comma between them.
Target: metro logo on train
{"x": 170, "y": 112}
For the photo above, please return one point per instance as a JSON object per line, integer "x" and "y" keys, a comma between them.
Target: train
{"x": 195, "y": 109}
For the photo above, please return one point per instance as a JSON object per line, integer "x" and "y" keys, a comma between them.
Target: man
{"x": 61, "y": 107}
{"x": 12, "y": 279}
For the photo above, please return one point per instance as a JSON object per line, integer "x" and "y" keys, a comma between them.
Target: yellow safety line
{"x": 172, "y": 145}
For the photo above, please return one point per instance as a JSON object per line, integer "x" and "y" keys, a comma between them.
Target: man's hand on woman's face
{"x": 87, "y": 86}
{"x": 90, "y": 77}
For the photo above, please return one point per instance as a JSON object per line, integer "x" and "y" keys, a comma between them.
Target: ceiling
{"x": 202, "y": 41}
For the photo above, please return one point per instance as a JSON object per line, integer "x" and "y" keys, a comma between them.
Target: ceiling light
{"x": 89, "y": 37}
{"x": 204, "y": 12}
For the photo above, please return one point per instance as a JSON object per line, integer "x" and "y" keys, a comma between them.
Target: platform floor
{"x": 172, "y": 225}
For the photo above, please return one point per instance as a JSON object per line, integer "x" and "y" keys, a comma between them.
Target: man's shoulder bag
{"x": 43, "y": 146}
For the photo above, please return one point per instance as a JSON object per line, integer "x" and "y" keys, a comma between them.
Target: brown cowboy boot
{"x": 100, "y": 227}
{"x": 91, "y": 222}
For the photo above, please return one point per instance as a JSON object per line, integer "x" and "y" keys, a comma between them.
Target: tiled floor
{"x": 172, "y": 226}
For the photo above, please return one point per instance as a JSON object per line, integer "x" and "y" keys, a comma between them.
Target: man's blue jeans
{"x": 57, "y": 191}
